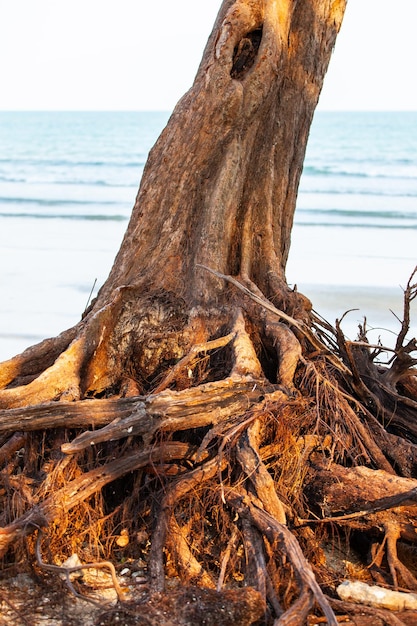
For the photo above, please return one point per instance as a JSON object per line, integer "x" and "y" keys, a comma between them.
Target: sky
{"x": 142, "y": 55}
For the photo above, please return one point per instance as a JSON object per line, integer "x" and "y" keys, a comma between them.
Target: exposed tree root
{"x": 242, "y": 442}
{"x": 67, "y": 571}
{"x": 24, "y": 367}
{"x": 370, "y": 616}
{"x": 276, "y": 532}
{"x": 263, "y": 485}
{"x": 205, "y": 422}
{"x": 78, "y": 490}
{"x": 231, "y": 420}
{"x": 60, "y": 379}
{"x": 397, "y": 569}
{"x": 165, "y": 522}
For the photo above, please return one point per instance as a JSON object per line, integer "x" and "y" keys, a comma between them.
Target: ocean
{"x": 68, "y": 181}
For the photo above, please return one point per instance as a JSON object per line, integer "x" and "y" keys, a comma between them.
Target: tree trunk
{"x": 218, "y": 191}
{"x": 201, "y": 376}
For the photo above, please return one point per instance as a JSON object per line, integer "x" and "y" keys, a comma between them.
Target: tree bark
{"x": 219, "y": 190}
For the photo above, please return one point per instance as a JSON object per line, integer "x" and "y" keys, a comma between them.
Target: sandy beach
{"x": 365, "y": 269}
{"x": 50, "y": 269}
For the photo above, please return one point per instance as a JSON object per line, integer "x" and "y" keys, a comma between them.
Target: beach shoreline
{"x": 379, "y": 305}
{"x": 68, "y": 182}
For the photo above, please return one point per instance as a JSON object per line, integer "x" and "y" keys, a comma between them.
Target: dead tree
{"x": 190, "y": 402}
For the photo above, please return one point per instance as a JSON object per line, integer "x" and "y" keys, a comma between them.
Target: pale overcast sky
{"x": 141, "y": 55}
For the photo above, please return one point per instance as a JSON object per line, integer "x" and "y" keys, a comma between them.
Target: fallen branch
{"x": 172, "y": 411}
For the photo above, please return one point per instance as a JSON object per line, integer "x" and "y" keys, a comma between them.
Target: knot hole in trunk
{"x": 245, "y": 52}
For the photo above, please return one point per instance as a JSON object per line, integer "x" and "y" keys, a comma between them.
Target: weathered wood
{"x": 123, "y": 417}
{"x": 251, "y": 463}
{"x": 83, "y": 414}
{"x": 297, "y": 613}
{"x": 360, "y": 615}
{"x": 365, "y": 499}
{"x": 176, "y": 491}
{"x": 11, "y": 446}
{"x": 172, "y": 411}
{"x": 258, "y": 575}
{"x": 279, "y": 533}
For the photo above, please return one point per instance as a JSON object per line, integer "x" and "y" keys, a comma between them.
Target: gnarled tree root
{"x": 375, "y": 502}
{"x": 278, "y": 533}
{"x": 241, "y": 442}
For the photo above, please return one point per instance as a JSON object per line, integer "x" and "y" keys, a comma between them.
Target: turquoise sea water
{"x": 68, "y": 182}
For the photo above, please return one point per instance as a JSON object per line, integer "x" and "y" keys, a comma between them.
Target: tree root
{"x": 24, "y": 367}
{"x": 259, "y": 577}
{"x": 392, "y": 534}
{"x": 258, "y": 475}
{"x": 361, "y": 615}
{"x": 279, "y": 533}
{"x": 297, "y": 613}
{"x": 382, "y": 388}
{"x": 178, "y": 490}
{"x": 60, "y": 380}
{"x": 301, "y": 327}
{"x": 177, "y": 544}
{"x": 12, "y": 445}
{"x": 380, "y": 504}
{"x": 186, "y": 361}
{"x": 67, "y": 571}
{"x": 248, "y": 453}
{"x": 60, "y": 502}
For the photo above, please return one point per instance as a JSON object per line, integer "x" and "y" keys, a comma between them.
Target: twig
{"x": 77, "y": 568}
{"x": 410, "y": 293}
{"x": 226, "y": 557}
{"x": 365, "y": 344}
{"x": 91, "y": 293}
{"x": 15, "y": 610}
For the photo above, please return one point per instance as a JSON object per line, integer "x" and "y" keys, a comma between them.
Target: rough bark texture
{"x": 218, "y": 190}
{"x": 200, "y": 418}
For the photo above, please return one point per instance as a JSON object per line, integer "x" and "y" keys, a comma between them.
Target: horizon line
{"x": 161, "y": 110}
